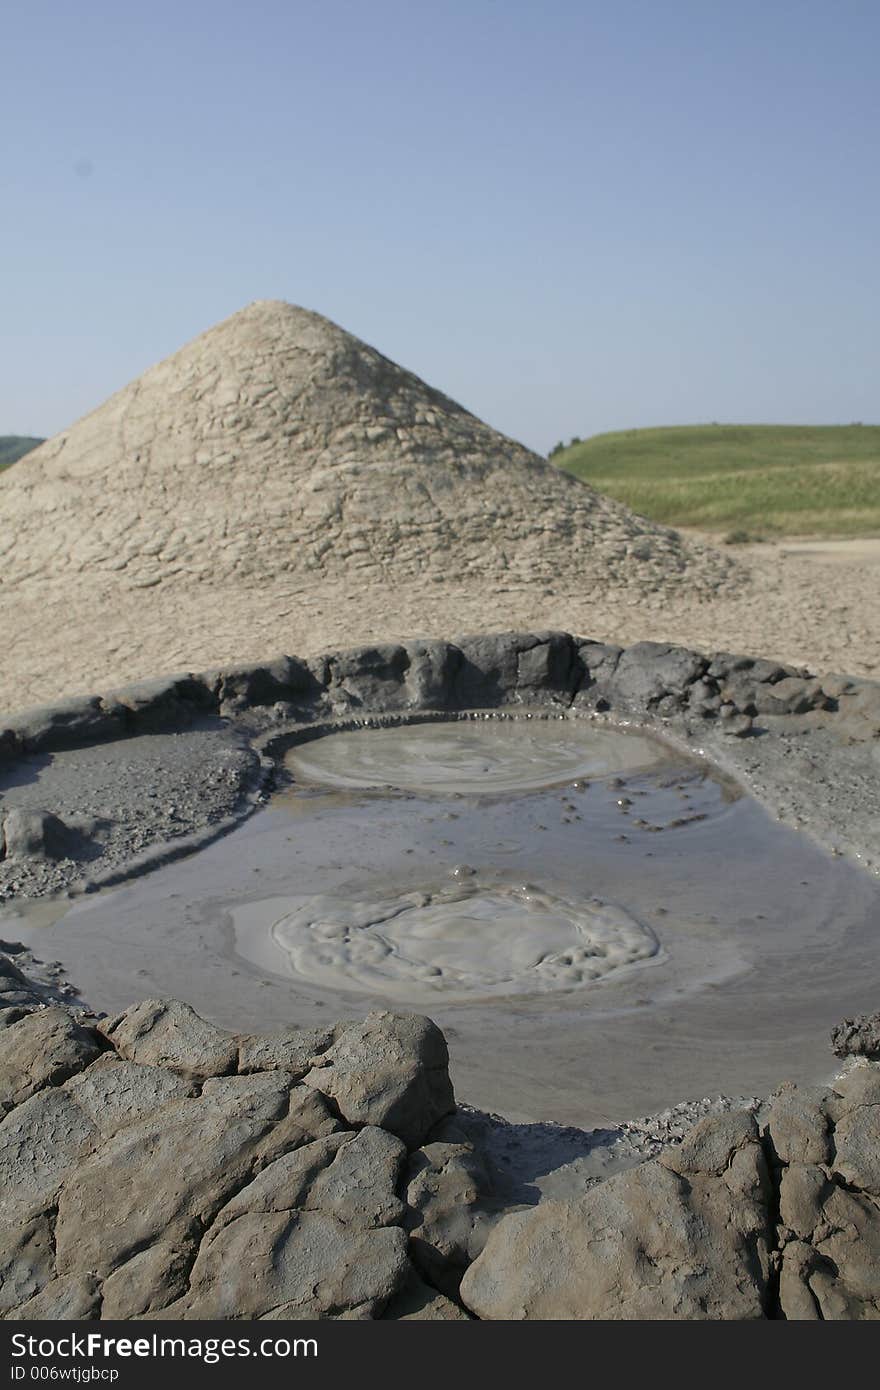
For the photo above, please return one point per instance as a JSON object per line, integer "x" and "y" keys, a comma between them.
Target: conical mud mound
{"x": 277, "y": 443}
{"x": 277, "y": 449}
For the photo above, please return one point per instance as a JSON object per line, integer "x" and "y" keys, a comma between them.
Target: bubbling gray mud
{"x": 473, "y": 938}
{"x": 754, "y": 941}
{"x": 474, "y": 757}
{"x": 476, "y": 939}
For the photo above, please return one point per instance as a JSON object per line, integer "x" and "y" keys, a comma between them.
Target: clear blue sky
{"x": 572, "y": 217}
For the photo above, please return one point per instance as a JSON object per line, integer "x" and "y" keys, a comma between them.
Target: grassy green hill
{"x": 742, "y": 481}
{"x": 14, "y": 446}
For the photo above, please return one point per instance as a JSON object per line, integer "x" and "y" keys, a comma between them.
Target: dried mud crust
{"x": 85, "y": 816}
{"x": 802, "y": 609}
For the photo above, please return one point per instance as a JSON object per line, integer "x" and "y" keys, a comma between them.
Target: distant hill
{"x": 15, "y": 446}
{"x": 741, "y": 481}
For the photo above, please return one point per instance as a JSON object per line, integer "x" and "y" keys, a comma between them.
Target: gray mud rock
{"x": 430, "y": 674}
{"x": 72, "y": 1298}
{"x": 686, "y": 1236}
{"x": 189, "y": 1157}
{"x": 168, "y": 1033}
{"x": 137, "y": 1182}
{"x": 492, "y": 669}
{"x": 32, "y": 834}
{"x": 365, "y": 677}
{"x": 41, "y": 1142}
{"x": 353, "y": 1175}
{"x": 311, "y": 1265}
{"x": 294, "y": 1051}
{"x": 857, "y": 1148}
{"x": 27, "y": 1260}
{"x": 650, "y": 672}
{"x": 66, "y": 724}
{"x": 323, "y": 1221}
{"x": 798, "y": 1125}
{"x": 829, "y": 1200}
{"x": 450, "y": 1206}
{"x": 392, "y": 1070}
{"x": 359, "y": 1185}
{"x": 858, "y": 1037}
{"x": 149, "y": 1281}
{"x": 114, "y": 1093}
{"x": 44, "y": 1049}
{"x": 286, "y": 679}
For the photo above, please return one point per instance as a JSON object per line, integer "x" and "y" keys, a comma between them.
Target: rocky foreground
{"x": 153, "y": 1166}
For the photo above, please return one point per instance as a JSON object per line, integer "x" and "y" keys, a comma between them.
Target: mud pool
{"x": 473, "y": 756}
{"x": 601, "y": 926}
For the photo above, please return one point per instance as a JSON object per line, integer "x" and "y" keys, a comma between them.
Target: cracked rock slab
{"x": 169, "y": 1033}
{"x": 43, "y": 1049}
{"x": 392, "y": 1071}
{"x": 294, "y": 1051}
{"x": 41, "y": 1141}
{"x": 675, "y": 1238}
{"x": 294, "y": 1264}
{"x": 185, "y": 1161}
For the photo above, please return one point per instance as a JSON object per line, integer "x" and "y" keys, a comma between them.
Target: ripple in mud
{"x": 463, "y": 940}
{"x": 754, "y": 942}
{"x": 468, "y": 757}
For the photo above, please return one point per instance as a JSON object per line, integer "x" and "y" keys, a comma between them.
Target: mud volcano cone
{"x": 277, "y": 454}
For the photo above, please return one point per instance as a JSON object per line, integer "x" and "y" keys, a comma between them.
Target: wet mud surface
{"x": 607, "y": 944}
{"x": 473, "y": 757}
{"x": 127, "y": 803}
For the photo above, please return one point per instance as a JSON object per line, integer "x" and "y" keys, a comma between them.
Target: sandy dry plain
{"x": 813, "y": 604}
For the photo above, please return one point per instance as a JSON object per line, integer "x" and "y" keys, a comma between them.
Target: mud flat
{"x": 673, "y": 937}
{"x": 634, "y": 933}
{"x": 467, "y": 757}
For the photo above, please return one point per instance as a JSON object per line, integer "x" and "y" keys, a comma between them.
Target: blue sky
{"x": 571, "y": 217}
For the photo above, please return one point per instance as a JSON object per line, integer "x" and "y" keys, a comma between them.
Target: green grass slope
{"x": 741, "y": 481}
{"x": 15, "y": 446}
